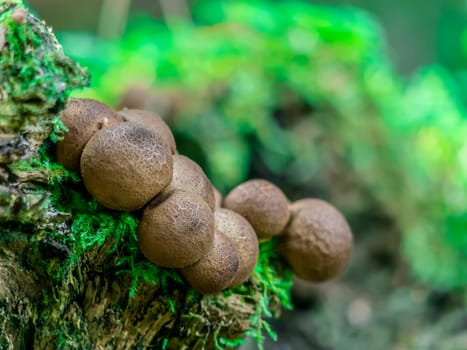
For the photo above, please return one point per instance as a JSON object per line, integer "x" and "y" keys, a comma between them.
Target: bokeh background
{"x": 361, "y": 103}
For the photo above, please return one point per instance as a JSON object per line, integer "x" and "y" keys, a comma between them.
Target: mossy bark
{"x": 54, "y": 294}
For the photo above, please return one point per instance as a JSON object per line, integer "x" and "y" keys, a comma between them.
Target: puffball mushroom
{"x": 263, "y": 204}
{"x": 236, "y": 228}
{"x": 124, "y": 166}
{"x": 83, "y": 118}
{"x": 215, "y": 271}
{"x": 176, "y": 230}
{"x": 188, "y": 176}
{"x": 151, "y": 121}
{"x": 317, "y": 242}
{"x": 217, "y": 198}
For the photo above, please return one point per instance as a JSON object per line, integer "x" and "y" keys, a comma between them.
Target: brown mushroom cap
{"x": 263, "y": 204}
{"x": 188, "y": 176}
{"x": 176, "y": 230}
{"x": 124, "y": 166}
{"x": 236, "y": 228}
{"x": 215, "y": 271}
{"x": 217, "y": 198}
{"x": 317, "y": 242}
{"x": 83, "y": 118}
{"x": 151, "y": 121}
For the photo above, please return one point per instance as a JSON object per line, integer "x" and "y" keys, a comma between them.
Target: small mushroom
{"x": 188, "y": 176}
{"x": 2, "y": 37}
{"x": 263, "y": 204}
{"x": 151, "y": 121}
{"x": 215, "y": 271}
{"x": 83, "y": 118}
{"x": 176, "y": 230}
{"x": 317, "y": 242}
{"x": 236, "y": 228}
{"x": 124, "y": 166}
{"x": 19, "y": 15}
{"x": 217, "y": 198}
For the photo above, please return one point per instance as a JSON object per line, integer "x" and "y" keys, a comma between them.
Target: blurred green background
{"x": 361, "y": 103}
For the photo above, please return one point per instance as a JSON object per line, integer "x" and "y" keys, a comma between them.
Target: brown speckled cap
{"x": 317, "y": 242}
{"x": 216, "y": 270}
{"x": 176, "y": 231}
{"x": 151, "y": 121}
{"x": 124, "y": 166}
{"x": 263, "y": 204}
{"x": 83, "y": 118}
{"x": 243, "y": 237}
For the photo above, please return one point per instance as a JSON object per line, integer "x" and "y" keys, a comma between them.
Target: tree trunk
{"x": 71, "y": 275}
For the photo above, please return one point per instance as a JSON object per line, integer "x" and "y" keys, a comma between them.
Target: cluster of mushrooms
{"x": 128, "y": 162}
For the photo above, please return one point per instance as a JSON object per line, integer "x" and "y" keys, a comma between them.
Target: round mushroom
{"x": 317, "y": 242}
{"x": 263, "y": 204}
{"x": 188, "y": 176}
{"x": 236, "y": 228}
{"x": 124, "y": 166}
{"x": 176, "y": 230}
{"x": 217, "y": 198}
{"x": 151, "y": 121}
{"x": 83, "y": 118}
{"x": 215, "y": 271}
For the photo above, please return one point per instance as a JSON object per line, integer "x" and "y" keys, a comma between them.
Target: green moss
{"x": 36, "y": 77}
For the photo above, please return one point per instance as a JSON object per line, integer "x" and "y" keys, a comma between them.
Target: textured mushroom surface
{"x": 188, "y": 176}
{"x": 318, "y": 240}
{"x": 217, "y": 198}
{"x": 124, "y": 166}
{"x": 176, "y": 231}
{"x": 263, "y": 204}
{"x": 243, "y": 237}
{"x": 216, "y": 270}
{"x": 151, "y": 121}
{"x": 83, "y": 118}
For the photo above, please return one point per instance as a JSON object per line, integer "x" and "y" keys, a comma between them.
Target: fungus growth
{"x": 216, "y": 270}
{"x": 124, "y": 166}
{"x": 128, "y": 162}
{"x": 83, "y": 118}
{"x": 243, "y": 237}
{"x": 188, "y": 176}
{"x": 317, "y": 242}
{"x": 176, "y": 231}
{"x": 263, "y": 204}
{"x": 151, "y": 121}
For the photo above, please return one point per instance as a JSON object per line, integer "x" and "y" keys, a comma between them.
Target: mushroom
{"x": 125, "y": 165}
{"x": 217, "y": 198}
{"x": 151, "y": 121}
{"x": 263, "y": 204}
{"x": 236, "y": 228}
{"x": 176, "y": 229}
{"x": 19, "y": 15}
{"x": 317, "y": 242}
{"x": 83, "y": 118}
{"x": 188, "y": 176}
{"x": 215, "y": 271}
